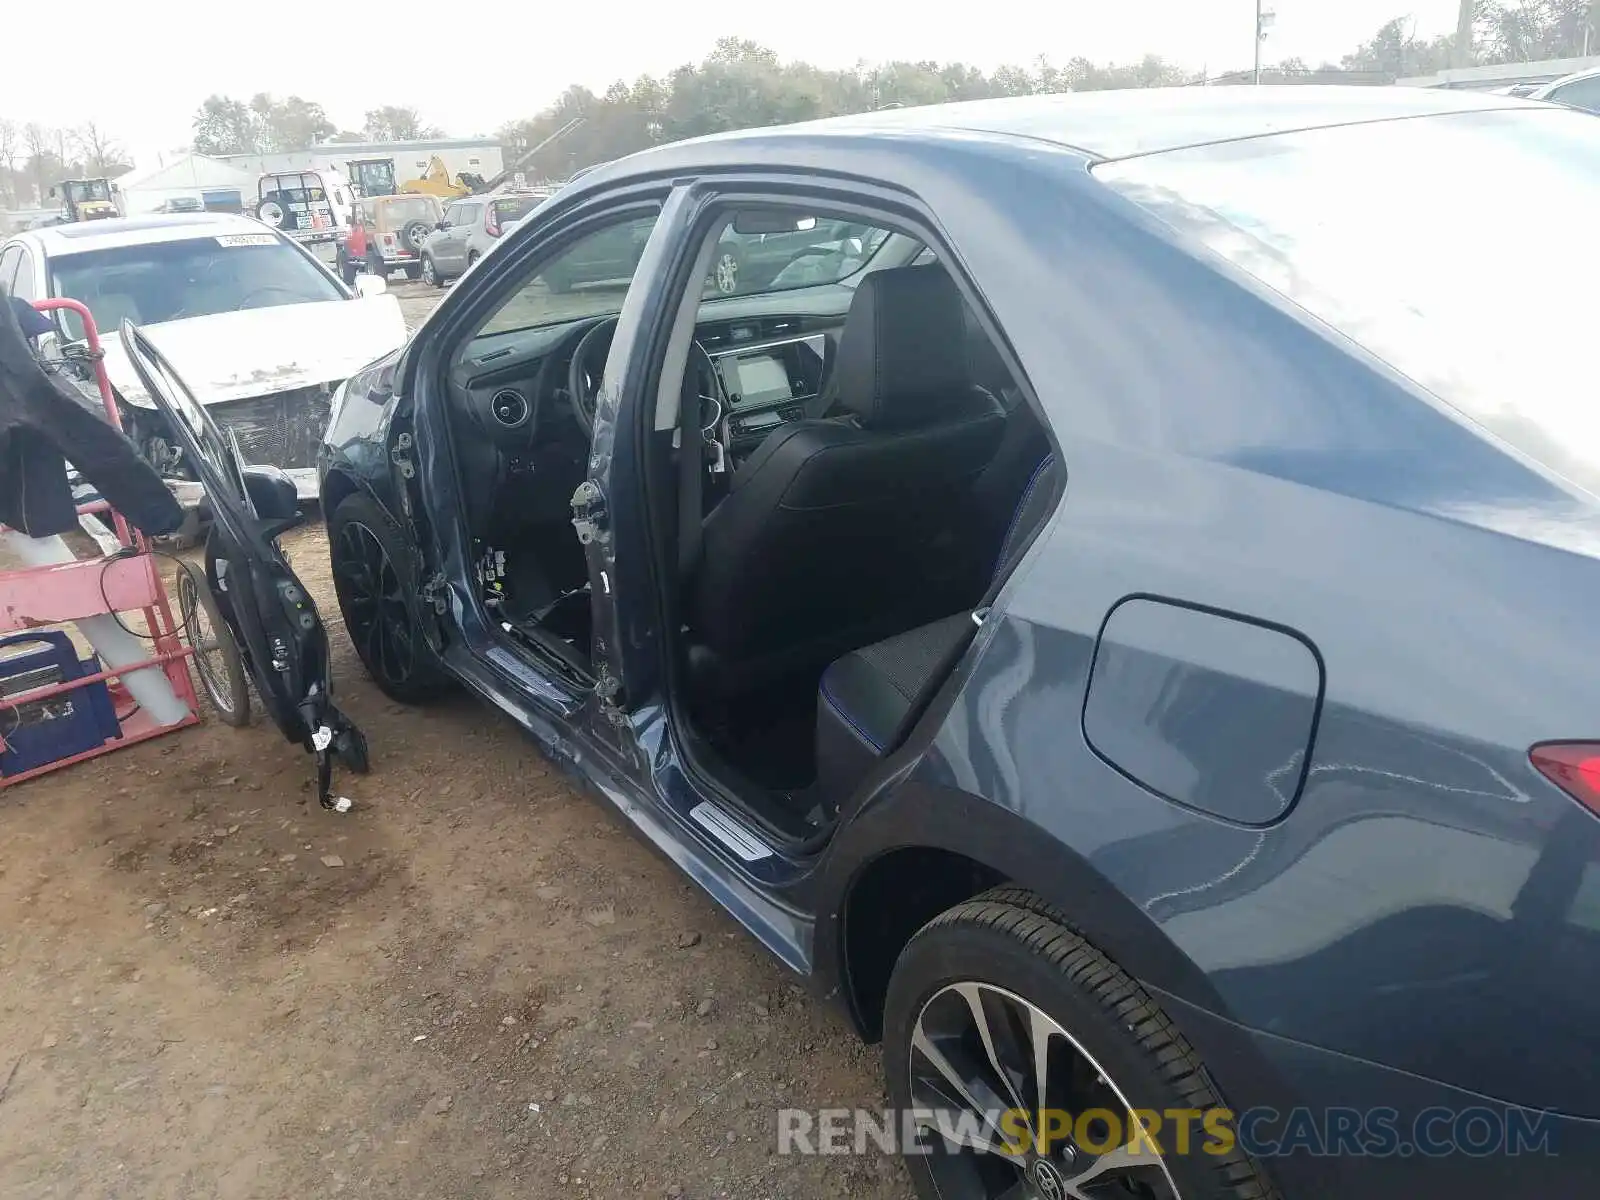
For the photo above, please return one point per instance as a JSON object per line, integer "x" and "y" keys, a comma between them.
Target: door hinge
{"x": 400, "y": 455}
{"x": 433, "y": 593}
{"x": 608, "y": 689}
{"x": 590, "y": 516}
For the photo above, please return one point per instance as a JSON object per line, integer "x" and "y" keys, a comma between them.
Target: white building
{"x": 217, "y": 185}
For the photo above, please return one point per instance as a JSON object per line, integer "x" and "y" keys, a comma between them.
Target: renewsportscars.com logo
{"x": 1259, "y": 1132}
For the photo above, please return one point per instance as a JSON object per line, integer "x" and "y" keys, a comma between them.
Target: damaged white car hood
{"x": 237, "y": 355}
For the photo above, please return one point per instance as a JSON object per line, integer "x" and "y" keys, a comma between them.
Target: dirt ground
{"x": 476, "y": 984}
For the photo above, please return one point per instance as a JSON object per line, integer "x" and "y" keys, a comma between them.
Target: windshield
{"x": 89, "y": 189}
{"x": 168, "y": 281}
{"x": 400, "y": 209}
{"x": 1452, "y": 247}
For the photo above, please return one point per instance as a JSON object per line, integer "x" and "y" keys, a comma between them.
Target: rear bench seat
{"x": 869, "y": 699}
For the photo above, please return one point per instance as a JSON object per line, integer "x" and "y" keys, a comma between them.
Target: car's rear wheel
{"x": 413, "y": 271}
{"x": 430, "y": 273}
{"x": 472, "y": 257}
{"x": 1021, "y": 1052}
{"x": 376, "y": 267}
{"x": 372, "y": 567}
{"x": 347, "y": 268}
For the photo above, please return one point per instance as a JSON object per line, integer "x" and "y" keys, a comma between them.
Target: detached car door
{"x": 281, "y": 638}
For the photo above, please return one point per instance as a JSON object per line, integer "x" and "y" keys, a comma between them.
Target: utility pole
{"x": 1461, "y": 51}
{"x": 1264, "y": 19}
{"x": 1258, "y": 43}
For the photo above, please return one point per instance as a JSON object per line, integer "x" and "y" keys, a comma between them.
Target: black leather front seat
{"x": 835, "y": 533}
{"x": 869, "y": 699}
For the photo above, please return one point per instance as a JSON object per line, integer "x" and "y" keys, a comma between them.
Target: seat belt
{"x": 691, "y": 478}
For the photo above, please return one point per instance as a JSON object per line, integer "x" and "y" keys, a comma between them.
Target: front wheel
{"x": 430, "y": 273}
{"x": 372, "y": 573}
{"x": 1020, "y": 1054}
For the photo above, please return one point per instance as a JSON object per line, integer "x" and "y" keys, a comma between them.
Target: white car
{"x": 261, "y": 330}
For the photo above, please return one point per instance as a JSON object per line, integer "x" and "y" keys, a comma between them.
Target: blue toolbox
{"x": 40, "y": 732}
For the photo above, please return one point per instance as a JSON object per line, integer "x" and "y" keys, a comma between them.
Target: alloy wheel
{"x": 727, "y": 274}
{"x": 1013, "y": 1108}
{"x": 374, "y": 603}
{"x": 428, "y": 275}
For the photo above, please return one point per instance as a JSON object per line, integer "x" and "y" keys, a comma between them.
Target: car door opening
{"x": 867, "y": 474}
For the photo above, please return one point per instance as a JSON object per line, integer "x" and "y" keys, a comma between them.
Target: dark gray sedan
{"x": 1119, "y": 623}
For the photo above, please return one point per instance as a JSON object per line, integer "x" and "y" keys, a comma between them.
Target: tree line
{"x": 741, "y": 84}
{"x": 35, "y": 157}
{"x": 264, "y": 124}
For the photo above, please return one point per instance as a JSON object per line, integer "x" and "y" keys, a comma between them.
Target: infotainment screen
{"x": 757, "y": 379}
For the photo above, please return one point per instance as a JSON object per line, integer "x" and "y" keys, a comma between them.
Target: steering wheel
{"x": 583, "y": 377}
{"x": 584, "y": 373}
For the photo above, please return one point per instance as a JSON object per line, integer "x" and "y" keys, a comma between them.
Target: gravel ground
{"x": 474, "y": 985}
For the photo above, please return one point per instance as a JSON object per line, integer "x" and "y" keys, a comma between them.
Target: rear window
{"x": 398, "y": 210}
{"x": 512, "y": 207}
{"x": 1452, "y": 247}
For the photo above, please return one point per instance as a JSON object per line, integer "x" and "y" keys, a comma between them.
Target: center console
{"x": 769, "y": 384}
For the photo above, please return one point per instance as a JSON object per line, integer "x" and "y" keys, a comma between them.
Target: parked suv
{"x": 387, "y": 232}
{"x": 469, "y": 230}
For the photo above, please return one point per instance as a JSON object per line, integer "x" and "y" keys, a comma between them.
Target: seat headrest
{"x": 902, "y": 357}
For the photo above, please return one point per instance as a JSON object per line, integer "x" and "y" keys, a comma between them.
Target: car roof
{"x": 1546, "y": 89}
{"x": 81, "y": 237}
{"x": 1117, "y": 124}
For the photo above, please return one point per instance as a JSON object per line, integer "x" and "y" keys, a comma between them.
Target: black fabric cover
{"x": 835, "y": 534}
{"x": 43, "y": 423}
{"x": 869, "y": 698}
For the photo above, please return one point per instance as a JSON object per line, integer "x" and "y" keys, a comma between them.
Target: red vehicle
{"x": 386, "y": 233}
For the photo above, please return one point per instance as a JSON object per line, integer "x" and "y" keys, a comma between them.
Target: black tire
{"x": 414, "y": 271}
{"x": 376, "y": 267}
{"x": 216, "y": 661}
{"x": 472, "y": 257}
{"x": 403, "y": 667}
{"x": 430, "y": 272}
{"x": 347, "y": 268}
{"x": 1009, "y": 939}
{"x": 272, "y": 211}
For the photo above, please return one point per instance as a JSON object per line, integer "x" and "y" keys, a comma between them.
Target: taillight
{"x": 388, "y": 239}
{"x": 1574, "y": 767}
{"x": 491, "y": 222}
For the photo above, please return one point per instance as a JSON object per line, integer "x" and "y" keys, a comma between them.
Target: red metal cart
{"x": 125, "y": 581}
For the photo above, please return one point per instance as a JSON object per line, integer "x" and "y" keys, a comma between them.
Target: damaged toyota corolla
{"x": 260, "y": 330}
{"x": 1119, "y": 619}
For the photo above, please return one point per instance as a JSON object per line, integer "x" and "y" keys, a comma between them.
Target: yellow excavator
{"x": 436, "y": 181}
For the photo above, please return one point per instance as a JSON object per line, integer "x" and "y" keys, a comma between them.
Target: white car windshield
{"x": 1453, "y": 247}
{"x": 196, "y": 277}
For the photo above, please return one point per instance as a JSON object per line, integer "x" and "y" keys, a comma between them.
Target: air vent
{"x": 779, "y": 326}
{"x": 510, "y": 408}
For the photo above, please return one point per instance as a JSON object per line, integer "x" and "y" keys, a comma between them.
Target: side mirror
{"x": 271, "y": 492}
{"x": 368, "y": 286}
{"x": 441, "y": 224}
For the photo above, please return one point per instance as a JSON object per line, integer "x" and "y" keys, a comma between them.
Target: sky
{"x": 141, "y": 70}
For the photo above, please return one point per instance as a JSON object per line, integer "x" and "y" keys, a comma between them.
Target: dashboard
{"x": 771, "y": 354}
